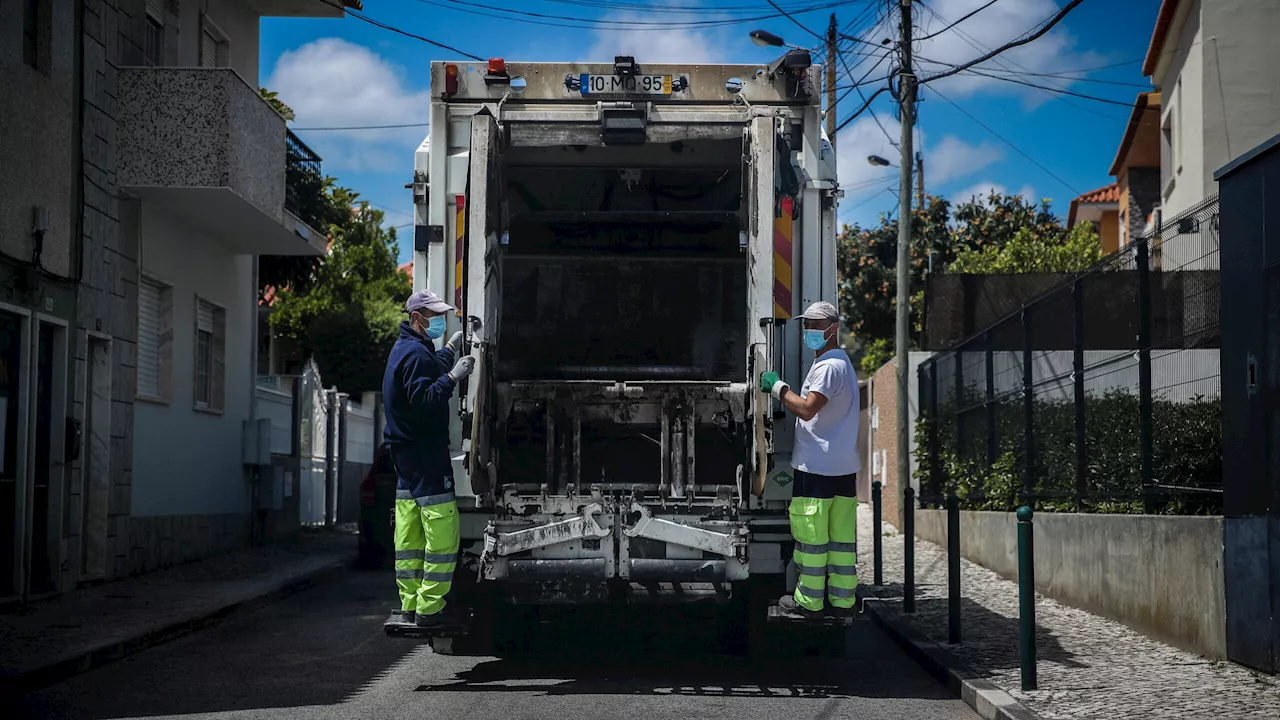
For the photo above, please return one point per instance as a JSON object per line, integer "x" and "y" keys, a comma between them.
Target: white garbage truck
{"x": 628, "y": 246}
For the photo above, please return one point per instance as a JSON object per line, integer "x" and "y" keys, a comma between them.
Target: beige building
{"x": 1214, "y": 63}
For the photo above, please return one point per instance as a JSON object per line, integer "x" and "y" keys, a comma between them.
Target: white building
{"x": 1214, "y": 63}
{"x": 153, "y": 176}
{"x": 208, "y": 199}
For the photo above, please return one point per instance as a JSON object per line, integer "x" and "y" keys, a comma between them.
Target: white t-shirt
{"x": 828, "y": 444}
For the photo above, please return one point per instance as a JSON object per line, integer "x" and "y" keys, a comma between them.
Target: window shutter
{"x": 155, "y": 8}
{"x": 218, "y": 370}
{"x": 208, "y": 50}
{"x": 149, "y": 338}
{"x": 204, "y": 317}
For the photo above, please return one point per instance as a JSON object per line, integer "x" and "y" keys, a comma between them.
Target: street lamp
{"x": 764, "y": 38}
{"x": 878, "y": 161}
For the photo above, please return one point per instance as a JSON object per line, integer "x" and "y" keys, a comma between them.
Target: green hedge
{"x": 1187, "y": 455}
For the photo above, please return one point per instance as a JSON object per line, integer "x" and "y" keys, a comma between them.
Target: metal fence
{"x": 302, "y": 168}
{"x": 1100, "y": 395}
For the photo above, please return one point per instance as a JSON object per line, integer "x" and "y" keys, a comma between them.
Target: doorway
{"x": 48, "y": 467}
{"x": 12, "y": 439}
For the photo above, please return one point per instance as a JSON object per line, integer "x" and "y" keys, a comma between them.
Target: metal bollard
{"x": 877, "y": 531}
{"x": 909, "y": 550}
{"x": 1026, "y": 599}
{"x": 953, "y": 569}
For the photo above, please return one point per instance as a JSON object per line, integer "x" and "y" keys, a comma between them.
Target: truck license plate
{"x": 625, "y": 84}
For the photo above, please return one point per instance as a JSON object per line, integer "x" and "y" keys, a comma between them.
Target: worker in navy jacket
{"x": 416, "y": 389}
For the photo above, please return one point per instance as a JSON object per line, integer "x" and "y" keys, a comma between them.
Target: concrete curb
{"x": 986, "y": 699}
{"x": 93, "y": 657}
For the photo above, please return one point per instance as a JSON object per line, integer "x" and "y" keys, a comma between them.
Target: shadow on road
{"x": 639, "y": 652}
{"x": 317, "y": 647}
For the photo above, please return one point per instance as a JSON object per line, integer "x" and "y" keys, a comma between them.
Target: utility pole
{"x": 920, "y": 181}
{"x": 831, "y": 81}
{"x": 907, "y": 109}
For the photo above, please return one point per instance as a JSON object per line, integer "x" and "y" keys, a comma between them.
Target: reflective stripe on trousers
{"x": 825, "y": 533}
{"x": 427, "y": 541}
{"x": 842, "y": 552}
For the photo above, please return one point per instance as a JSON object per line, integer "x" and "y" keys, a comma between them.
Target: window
{"x": 154, "y": 42}
{"x": 155, "y": 339}
{"x": 210, "y": 346}
{"x": 213, "y": 44}
{"x": 31, "y": 32}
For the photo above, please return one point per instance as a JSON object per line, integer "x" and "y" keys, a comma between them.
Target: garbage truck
{"x": 628, "y": 246}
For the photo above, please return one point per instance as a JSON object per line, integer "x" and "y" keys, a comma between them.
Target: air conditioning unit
{"x": 257, "y": 441}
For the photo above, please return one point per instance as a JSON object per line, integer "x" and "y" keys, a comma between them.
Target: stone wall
{"x": 164, "y": 541}
{"x": 108, "y": 292}
{"x": 1161, "y": 575}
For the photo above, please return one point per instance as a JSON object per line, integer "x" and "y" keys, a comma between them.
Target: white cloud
{"x": 953, "y": 158}
{"x": 991, "y": 28}
{"x": 860, "y": 139}
{"x": 682, "y": 45}
{"x": 335, "y": 83}
{"x": 1028, "y": 193}
{"x": 950, "y": 159}
{"x": 977, "y": 192}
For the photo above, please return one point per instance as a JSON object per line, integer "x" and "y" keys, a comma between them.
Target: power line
{"x": 682, "y": 9}
{"x": 1098, "y": 81}
{"x": 567, "y": 21}
{"x": 859, "y": 111}
{"x": 1050, "y": 89}
{"x": 397, "y": 30}
{"x": 1004, "y": 64}
{"x": 362, "y": 127}
{"x": 796, "y": 22}
{"x": 1057, "y": 18}
{"x": 966, "y": 17}
{"x": 1006, "y": 142}
{"x": 851, "y": 208}
{"x": 849, "y": 72}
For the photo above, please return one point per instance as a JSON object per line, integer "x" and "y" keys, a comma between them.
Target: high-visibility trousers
{"x": 427, "y": 540}
{"x": 427, "y": 535}
{"x": 825, "y": 530}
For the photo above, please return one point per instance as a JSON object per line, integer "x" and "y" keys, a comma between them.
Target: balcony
{"x": 203, "y": 144}
{"x": 304, "y": 8}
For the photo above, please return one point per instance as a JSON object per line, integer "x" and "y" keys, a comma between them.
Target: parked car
{"x": 377, "y": 512}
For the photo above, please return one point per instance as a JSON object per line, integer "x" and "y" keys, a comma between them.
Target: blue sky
{"x": 344, "y": 72}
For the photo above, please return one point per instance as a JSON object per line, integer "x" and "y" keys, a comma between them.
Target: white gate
{"x": 313, "y": 450}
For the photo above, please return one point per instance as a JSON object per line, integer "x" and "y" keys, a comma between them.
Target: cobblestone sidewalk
{"x": 1089, "y": 667}
{"x": 53, "y": 639}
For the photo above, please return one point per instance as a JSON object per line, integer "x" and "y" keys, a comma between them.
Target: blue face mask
{"x": 815, "y": 339}
{"x": 435, "y": 327}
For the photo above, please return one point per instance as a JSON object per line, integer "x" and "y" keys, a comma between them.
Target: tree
{"x": 348, "y": 314}
{"x": 1030, "y": 252}
{"x": 998, "y": 234}
{"x": 314, "y": 199}
{"x": 867, "y": 262}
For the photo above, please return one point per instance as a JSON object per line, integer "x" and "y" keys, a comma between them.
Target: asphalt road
{"x": 322, "y": 654}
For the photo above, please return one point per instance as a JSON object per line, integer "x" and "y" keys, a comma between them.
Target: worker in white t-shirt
{"x": 824, "y": 504}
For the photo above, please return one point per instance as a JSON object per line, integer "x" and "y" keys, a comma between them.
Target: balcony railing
{"x": 302, "y": 172}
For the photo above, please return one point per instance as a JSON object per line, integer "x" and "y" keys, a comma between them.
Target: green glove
{"x": 767, "y": 381}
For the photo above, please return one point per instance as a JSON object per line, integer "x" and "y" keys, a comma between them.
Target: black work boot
{"x": 788, "y": 604}
{"x": 407, "y": 617}
{"x": 840, "y": 612}
{"x": 444, "y": 618}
